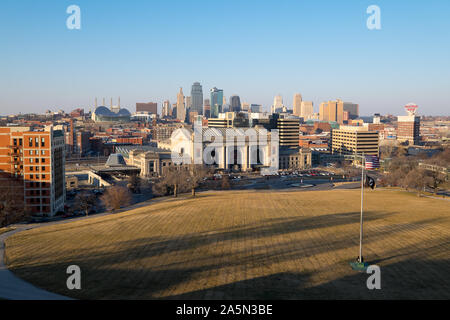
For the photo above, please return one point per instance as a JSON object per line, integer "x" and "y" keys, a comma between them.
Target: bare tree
{"x": 197, "y": 173}
{"x": 12, "y": 206}
{"x": 175, "y": 179}
{"x": 226, "y": 183}
{"x": 85, "y": 201}
{"x": 416, "y": 179}
{"x": 134, "y": 183}
{"x": 116, "y": 197}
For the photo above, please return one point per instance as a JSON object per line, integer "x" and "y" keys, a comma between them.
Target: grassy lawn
{"x": 241, "y": 244}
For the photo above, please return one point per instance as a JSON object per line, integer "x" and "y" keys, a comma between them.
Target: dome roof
{"x": 103, "y": 111}
{"x": 124, "y": 112}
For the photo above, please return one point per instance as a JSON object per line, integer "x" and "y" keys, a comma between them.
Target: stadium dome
{"x": 103, "y": 114}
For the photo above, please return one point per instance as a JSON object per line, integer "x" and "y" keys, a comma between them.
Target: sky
{"x": 146, "y": 50}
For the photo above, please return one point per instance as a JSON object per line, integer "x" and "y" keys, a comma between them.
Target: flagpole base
{"x": 359, "y": 266}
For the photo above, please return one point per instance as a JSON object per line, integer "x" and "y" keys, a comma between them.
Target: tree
{"x": 435, "y": 180}
{"x": 12, "y": 206}
{"x": 197, "y": 173}
{"x": 134, "y": 183}
{"x": 175, "y": 179}
{"x": 226, "y": 183}
{"x": 116, "y": 197}
{"x": 415, "y": 179}
{"x": 85, "y": 201}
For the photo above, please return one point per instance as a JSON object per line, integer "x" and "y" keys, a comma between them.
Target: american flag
{"x": 372, "y": 162}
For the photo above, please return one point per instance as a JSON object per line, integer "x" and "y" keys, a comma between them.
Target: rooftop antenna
{"x": 96, "y": 102}
{"x": 111, "y": 104}
{"x": 103, "y": 101}
{"x": 119, "y": 102}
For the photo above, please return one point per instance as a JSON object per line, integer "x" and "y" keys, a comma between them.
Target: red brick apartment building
{"x": 37, "y": 159}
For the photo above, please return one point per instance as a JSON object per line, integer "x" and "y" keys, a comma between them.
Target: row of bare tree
{"x": 404, "y": 172}
{"x": 179, "y": 179}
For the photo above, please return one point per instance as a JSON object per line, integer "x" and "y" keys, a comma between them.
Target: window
{"x": 43, "y": 176}
{"x": 20, "y": 142}
{"x": 31, "y": 160}
{"x": 43, "y": 160}
{"x": 31, "y": 176}
{"x": 37, "y": 160}
{"x": 15, "y": 142}
{"x": 36, "y": 142}
{"x": 43, "y": 152}
{"x": 30, "y": 142}
{"x": 42, "y": 142}
{"x": 31, "y": 168}
{"x": 43, "y": 168}
{"x": 37, "y": 168}
{"x": 31, "y": 152}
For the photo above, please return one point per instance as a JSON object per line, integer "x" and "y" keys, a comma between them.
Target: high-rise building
{"x": 354, "y": 140}
{"x": 289, "y": 132}
{"x": 150, "y": 107}
{"x": 166, "y": 109}
{"x": 334, "y": 110}
{"x": 207, "y": 108}
{"x": 36, "y": 159}
{"x": 297, "y": 105}
{"x": 306, "y": 110}
{"x": 181, "y": 107}
{"x": 408, "y": 127}
{"x": 216, "y": 101}
{"x": 197, "y": 98}
{"x": 188, "y": 103}
{"x": 352, "y": 109}
{"x": 277, "y": 104}
{"x": 245, "y": 106}
{"x": 235, "y": 103}
{"x": 256, "y": 108}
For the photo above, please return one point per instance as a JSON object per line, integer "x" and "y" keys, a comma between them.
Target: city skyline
{"x": 51, "y": 67}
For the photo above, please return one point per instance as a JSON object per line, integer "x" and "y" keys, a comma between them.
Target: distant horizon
{"x": 145, "y": 51}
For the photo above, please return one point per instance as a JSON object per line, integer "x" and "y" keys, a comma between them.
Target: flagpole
{"x": 360, "y": 259}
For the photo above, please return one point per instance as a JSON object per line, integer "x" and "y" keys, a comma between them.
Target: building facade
{"x": 197, "y": 98}
{"x": 354, "y": 140}
{"x": 408, "y": 129}
{"x": 150, "y": 107}
{"x": 181, "y": 106}
{"x": 36, "y": 159}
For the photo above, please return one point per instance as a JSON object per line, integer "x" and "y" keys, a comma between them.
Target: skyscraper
{"x": 297, "y": 104}
{"x": 306, "y": 110}
{"x": 333, "y": 111}
{"x": 408, "y": 127}
{"x": 277, "y": 103}
{"x": 206, "y": 108}
{"x": 181, "y": 107}
{"x": 197, "y": 98}
{"x": 166, "y": 109}
{"x": 216, "y": 101}
{"x": 188, "y": 102}
{"x": 235, "y": 103}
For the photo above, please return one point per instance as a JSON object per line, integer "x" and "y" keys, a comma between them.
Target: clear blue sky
{"x": 145, "y": 50}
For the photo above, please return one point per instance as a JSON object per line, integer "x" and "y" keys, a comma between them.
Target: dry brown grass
{"x": 255, "y": 245}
